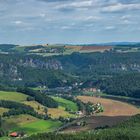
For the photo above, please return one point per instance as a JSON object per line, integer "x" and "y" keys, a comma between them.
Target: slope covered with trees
{"x": 39, "y": 97}
{"x": 123, "y": 85}
{"x": 92, "y": 69}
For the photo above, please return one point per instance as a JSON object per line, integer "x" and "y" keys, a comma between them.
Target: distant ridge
{"x": 86, "y": 44}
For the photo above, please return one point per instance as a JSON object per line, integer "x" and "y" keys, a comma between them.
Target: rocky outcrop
{"x": 36, "y": 63}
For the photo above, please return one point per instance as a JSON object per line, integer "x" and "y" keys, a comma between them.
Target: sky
{"x": 69, "y": 21}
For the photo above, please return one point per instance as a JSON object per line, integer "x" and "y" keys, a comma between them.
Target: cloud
{"x": 39, "y": 18}
{"x": 75, "y": 5}
{"x": 92, "y": 18}
{"x": 125, "y": 17}
{"x": 54, "y": 0}
{"x": 110, "y": 27}
{"x": 66, "y": 27}
{"x": 119, "y": 7}
{"x": 42, "y": 15}
{"x": 18, "y": 22}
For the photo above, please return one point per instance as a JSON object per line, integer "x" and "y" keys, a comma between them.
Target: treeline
{"x": 7, "y": 88}
{"x": 125, "y": 131}
{"x": 39, "y": 97}
{"x": 18, "y": 108}
{"x": 123, "y": 85}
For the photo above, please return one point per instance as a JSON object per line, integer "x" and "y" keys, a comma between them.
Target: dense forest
{"x": 102, "y": 70}
{"x": 124, "y": 85}
{"x": 127, "y": 130}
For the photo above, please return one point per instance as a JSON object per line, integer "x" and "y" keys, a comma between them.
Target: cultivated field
{"x": 12, "y": 96}
{"x": 32, "y": 125}
{"x": 37, "y": 106}
{"x": 94, "y": 122}
{"x": 114, "y": 113}
{"x": 88, "y": 48}
{"x": 60, "y": 111}
{"x": 112, "y": 107}
{"x": 95, "y": 48}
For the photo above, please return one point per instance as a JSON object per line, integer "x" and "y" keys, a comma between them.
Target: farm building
{"x": 14, "y": 134}
{"x": 17, "y": 134}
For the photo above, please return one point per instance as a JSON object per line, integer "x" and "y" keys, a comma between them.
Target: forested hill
{"x": 124, "y": 84}
{"x": 91, "y": 69}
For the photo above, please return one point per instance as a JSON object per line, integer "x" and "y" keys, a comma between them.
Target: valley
{"x": 91, "y": 88}
{"x": 69, "y": 69}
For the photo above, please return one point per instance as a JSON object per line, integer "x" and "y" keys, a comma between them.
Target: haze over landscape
{"x": 69, "y": 21}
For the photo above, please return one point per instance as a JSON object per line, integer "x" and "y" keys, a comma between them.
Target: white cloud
{"x": 66, "y": 27}
{"x": 93, "y": 18}
{"x": 76, "y": 4}
{"x": 110, "y": 27}
{"x": 121, "y": 7}
{"x": 42, "y": 15}
{"x": 18, "y": 22}
{"x": 125, "y": 17}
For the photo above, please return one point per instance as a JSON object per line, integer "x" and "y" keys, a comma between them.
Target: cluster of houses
{"x": 91, "y": 90}
{"x": 98, "y": 108}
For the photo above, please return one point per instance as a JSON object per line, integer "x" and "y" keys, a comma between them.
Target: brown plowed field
{"x": 89, "y": 48}
{"x": 114, "y": 113}
{"x": 96, "y": 48}
{"x": 112, "y": 107}
{"x": 96, "y": 121}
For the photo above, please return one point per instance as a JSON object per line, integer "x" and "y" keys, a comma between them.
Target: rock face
{"x": 36, "y": 63}
{"x": 11, "y": 69}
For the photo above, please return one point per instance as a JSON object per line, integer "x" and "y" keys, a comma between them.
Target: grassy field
{"x": 66, "y": 103}
{"x": 39, "y": 126}
{"x": 38, "y": 88}
{"x": 30, "y": 125}
{"x": 37, "y": 106}
{"x": 11, "y": 123}
{"x": 60, "y": 111}
{"x": 55, "y": 113}
{"x": 12, "y": 96}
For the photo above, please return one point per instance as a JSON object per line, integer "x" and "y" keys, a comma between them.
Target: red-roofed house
{"x": 14, "y": 134}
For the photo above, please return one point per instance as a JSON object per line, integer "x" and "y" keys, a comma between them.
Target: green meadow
{"x": 12, "y": 96}
{"x": 66, "y": 103}
{"x": 38, "y": 126}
